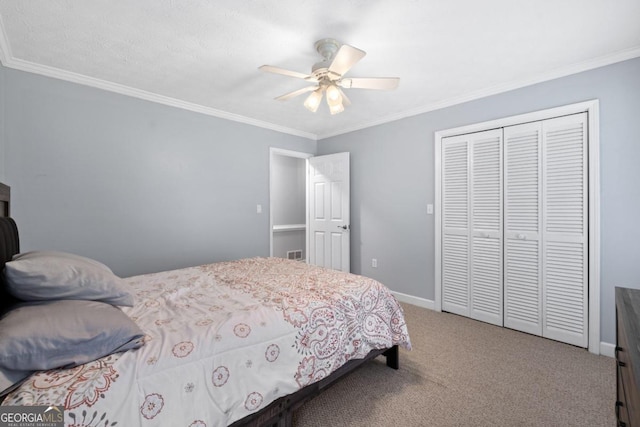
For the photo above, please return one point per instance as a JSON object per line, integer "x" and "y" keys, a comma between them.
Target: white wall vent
{"x": 296, "y": 255}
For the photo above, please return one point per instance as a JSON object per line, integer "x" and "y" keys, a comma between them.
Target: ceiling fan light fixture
{"x": 333, "y": 95}
{"x": 328, "y": 76}
{"x": 313, "y": 100}
{"x": 334, "y": 99}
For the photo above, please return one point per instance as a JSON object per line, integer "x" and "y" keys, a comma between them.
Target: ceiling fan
{"x": 327, "y": 76}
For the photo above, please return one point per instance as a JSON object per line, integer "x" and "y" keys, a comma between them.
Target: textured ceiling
{"x": 204, "y": 55}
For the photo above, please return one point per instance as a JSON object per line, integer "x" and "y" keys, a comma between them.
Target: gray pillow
{"x": 49, "y": 275}
{"x": 65, "y": 333}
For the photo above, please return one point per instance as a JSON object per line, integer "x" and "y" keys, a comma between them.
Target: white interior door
{"x": 550, "y": 223}
{"x": 455, "y": 225}
{"x": 565, "y": 224}
{"x": 486, "y": 227}
{"x": 472, "y": 225}
{"x": 328, "y": 242}
{"x": 522, "y": 229}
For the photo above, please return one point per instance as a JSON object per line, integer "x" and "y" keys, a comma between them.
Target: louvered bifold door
{"x": 472, "y": 225}
{"x": 455, "y": 224}
{"x": 565, "y": 251}
{"x": 522, "y": 227}
{"x": 486, "y": 227}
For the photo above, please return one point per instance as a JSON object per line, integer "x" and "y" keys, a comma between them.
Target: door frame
{"x": 288, "y": 153}
{"x": 592, "y": 108}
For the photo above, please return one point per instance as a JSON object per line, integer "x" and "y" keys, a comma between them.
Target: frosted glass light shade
{"x": 333, "y": 95}
{"x": 337, "y": 108}
{"x": 313, "y": 100}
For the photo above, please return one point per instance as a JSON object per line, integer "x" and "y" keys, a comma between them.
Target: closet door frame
{"x": 592, "y": 108}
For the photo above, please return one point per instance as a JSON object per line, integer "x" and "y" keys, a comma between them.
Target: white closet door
{"x": 546, "y": 241}
{"x": 515, "y": 227}
{"x": 455, "y": 225}
{"x": 523, "y": 221}
{"x": 486, "y": 226}
{"x": 565, "y": 250}
{"x": 472, "y": 226}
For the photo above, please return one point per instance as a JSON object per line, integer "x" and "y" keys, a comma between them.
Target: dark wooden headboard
{"x": 9, "y": 244}
{"x": 5, "y": 200}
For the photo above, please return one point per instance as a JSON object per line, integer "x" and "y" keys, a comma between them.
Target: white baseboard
{"x": 607, "y": 349}
{"x": 410, "y": 299}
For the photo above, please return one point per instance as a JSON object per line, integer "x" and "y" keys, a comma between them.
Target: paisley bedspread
{"x": 223, "y": 341}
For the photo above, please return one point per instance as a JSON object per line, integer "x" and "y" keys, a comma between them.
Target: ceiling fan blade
{"x": 288, "y": 96}
{"x": 345, "y": 100}
{"x": 379, "y": 83}
{"x": 278, "y": 70}
{"x": 346, "y": 58}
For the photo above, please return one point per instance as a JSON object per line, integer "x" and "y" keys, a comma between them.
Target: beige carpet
{"x": 467, "y": 373}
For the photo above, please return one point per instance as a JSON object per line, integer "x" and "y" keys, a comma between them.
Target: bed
{"x": 240, "y": 343}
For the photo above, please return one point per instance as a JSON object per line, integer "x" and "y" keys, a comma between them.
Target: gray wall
{"x": 140, "y": 186}
{"x": 288, "y": 190}
{"x": 392, "y": 170}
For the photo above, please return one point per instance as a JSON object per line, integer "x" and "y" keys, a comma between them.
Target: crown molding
{"x": 494, "y": 90}
{"x": 5, "y": 50}
{"x": 7, "y": 59}
{"x": 81, "y": 79}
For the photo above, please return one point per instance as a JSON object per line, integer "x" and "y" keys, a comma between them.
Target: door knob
{"x": 344, "y": 227}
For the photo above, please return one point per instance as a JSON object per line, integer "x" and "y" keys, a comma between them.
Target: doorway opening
{"x": 288, "y": 204}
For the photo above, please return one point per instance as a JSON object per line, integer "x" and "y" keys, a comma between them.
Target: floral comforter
{"x": 223, "y": 341}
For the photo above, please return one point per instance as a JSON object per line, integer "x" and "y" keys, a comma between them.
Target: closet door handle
{"x": 521, "y": 236}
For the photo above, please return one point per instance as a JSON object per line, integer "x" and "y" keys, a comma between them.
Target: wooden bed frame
{"x": 5, "y": 199}
{"x": 9, "y": 245}
{"x": 277, "y": 414}
{"x": 280, "y": 412}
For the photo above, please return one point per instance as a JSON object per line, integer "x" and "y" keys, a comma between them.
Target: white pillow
{"x": 51, "y": 275}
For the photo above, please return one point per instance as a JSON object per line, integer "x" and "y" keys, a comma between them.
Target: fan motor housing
{"x": 327, "y": 48}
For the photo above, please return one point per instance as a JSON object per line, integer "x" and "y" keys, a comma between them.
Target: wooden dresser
{"x": 628, "y": 356}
